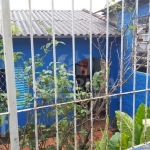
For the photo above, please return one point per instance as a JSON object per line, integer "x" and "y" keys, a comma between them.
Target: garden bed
{"x": 97, "y": 133}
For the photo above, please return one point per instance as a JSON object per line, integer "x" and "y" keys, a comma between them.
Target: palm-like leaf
{"x": 140, "y": 114}
{"x": 125, "y": 142}
{"x": 101, "y": 145}
{"x": 113, "y": 141}
{"x": 147, "y": 139}
{"x": 127, "y": 123}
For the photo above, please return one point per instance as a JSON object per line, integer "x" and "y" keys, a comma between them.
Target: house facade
{"x": 42, "y": 24}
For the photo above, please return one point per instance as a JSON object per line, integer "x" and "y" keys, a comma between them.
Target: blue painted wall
{"x": 140, "y": 77}
{"x": 82, "y": 52}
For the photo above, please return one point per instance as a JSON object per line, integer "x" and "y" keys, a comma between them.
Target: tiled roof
{"x": 42, "y": 20}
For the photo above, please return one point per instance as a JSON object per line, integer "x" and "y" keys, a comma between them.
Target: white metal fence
{"x": 10, "y": 77}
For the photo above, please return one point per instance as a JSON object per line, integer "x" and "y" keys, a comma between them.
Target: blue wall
{"x": 140, "y": 77}
{"x": 82, "y": 52}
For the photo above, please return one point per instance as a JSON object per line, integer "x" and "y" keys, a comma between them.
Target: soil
{"x": 98, "y": 125}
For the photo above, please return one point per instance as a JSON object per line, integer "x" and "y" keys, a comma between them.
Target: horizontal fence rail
{"x": 87, "y": 90}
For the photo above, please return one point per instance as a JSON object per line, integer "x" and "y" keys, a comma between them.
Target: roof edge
{"x": 101, "y": 17}
{"x": 69, "y": 36}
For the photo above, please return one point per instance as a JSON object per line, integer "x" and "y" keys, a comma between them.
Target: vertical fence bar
{"x": 10, "y": 76}
{"x": 106, "y": 89}
{"x": 33, "y": 74}
{"x": 147, "y": 80}
{"x": 55, "y": 74}
{"x": 134, "y": 73}
{"x": 74, "y": 77}
{"x": 121, "y": 70}
{"x": 91, "y": 68}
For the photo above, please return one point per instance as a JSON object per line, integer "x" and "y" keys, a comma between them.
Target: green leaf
{"x": 15, "y": 30}
{"x": 125, "y": 141}
{"x": 59, "y": 42}
{"x": 64, "y": 123}
{"x": 49, "y": 44}
{"x": 2, "y": 119}
{"x": 87, "y": 85}
{"x": 140, "y": 114}
{"x": 142, "y": 139}
{"x": 127, "y": 126}
{"x": 130, "y": 9}
{"x": 113, "y": 141}
{"x": 27, "y": 69}
{"x": 101, "y": 145}
{"x": 84, "y": 112}
{"x": 132, "y": 28}
{"x": 1, "y": 43}
{"x": 43, "y": 137}
{"x": 126, "y": 123}
{"x": 49, "y": 30}
{"x": 83, "y": 132}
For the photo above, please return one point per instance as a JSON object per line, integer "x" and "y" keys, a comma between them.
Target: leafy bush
{"x": 126, "y": 137}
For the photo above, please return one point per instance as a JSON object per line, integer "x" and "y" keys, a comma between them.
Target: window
{"x": 21, "y": 87}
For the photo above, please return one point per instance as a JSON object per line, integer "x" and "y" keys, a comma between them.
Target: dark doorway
{"x": 83, "y": 76}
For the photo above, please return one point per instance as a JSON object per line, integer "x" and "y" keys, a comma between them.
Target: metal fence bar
{"x": 134, "y": 74}
{"x": 10, "y": 76}
{"x": 147, "y": 81}
{"x": 6, "y": 113}
{"x": 55, "y": 74}
{"x": 84, "y": 100}
{"x": 91, "y": 67}
{"x": 33, "y": 74}
{"x": 106, "y": 88}
{"x": 74, "y": 77}
{"x": 121, "y": 70}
